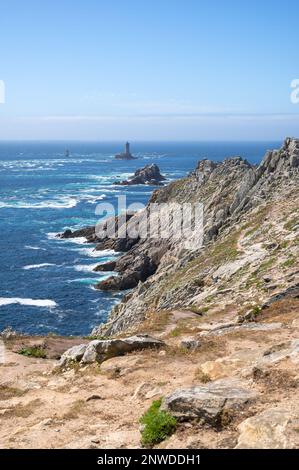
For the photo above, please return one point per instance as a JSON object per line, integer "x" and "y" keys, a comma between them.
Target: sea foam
{"x": 91, "y": 252}
{"x": 36, "y": 266}
{"x": 85, "y": 267}
{"x": 66, "y": 203}
{"x": 28, "y": 302}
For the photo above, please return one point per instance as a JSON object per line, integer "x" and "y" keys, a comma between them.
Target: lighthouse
{"x": 126, "y": 155}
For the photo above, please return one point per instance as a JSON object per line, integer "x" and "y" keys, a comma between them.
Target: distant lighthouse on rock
{"x": 126, "y": 155}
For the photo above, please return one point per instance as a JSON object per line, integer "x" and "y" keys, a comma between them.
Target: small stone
{"x": 94, "y": 397}
{"x": 162, "y": 353}
{"x": 190, "y": 344}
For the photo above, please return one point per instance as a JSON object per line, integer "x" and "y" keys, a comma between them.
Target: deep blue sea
{"x": 46, "y": 285}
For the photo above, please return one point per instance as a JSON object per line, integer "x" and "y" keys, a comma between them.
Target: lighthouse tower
{"x": 126, "y": 155}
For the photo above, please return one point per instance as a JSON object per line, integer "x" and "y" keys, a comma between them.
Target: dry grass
{"x": 155, "y": 322}
{"x": 75, "y": 409}
{"x": 183, "y": 327}
{"x": 200, "y": 376}
{"x": 22, "y": 411}
{"x": 282, "y": 310}
{"x": 274, "y": 379}
{"x": 7, "y": 392}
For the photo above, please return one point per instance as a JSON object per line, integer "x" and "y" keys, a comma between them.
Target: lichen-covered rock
{"x": 210, "y": 403}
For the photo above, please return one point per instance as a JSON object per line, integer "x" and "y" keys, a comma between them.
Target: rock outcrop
{"x": 150, "y": 175}
{"x": 101, "y": 350}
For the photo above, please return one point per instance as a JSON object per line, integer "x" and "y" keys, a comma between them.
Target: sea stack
{"x": 126, "y": 155}
{"x": 150, "y": 174}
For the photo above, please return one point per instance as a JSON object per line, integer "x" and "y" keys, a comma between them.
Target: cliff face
{"x": 250, "y": 250}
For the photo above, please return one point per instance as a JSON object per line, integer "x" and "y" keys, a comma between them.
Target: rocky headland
{"x": 211, "y": 335}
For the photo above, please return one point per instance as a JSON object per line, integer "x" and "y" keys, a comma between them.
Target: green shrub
{"x": 35, "y": 351}
{"x": 158, "y": 425}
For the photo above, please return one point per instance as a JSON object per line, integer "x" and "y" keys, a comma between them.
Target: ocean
{"x": 46, "y": 284}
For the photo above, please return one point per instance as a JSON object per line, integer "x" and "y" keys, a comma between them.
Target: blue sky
{"x": 149, "y": 70}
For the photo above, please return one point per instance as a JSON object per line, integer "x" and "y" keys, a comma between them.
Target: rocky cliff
{"x": 250, "y": 249}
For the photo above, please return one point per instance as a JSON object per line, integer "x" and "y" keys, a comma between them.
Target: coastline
{"x": 219, "y": 325}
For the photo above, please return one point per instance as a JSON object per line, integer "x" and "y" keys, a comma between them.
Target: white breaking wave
{"x": 85, "y": 267}
{"x": 66, "y": 203}
{"x": 96, "y": 253}
{"x": 108, "y": 178}
{"x": 36, "y": 266}
{"x": 52, "y": 235}
{"x": 76, "y": 240}
{"x": 91, "y": 198}
{"x": 27, "y": 302}
{"x": 29, "y": 247}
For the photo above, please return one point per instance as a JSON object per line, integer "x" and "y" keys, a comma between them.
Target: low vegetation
{"x": 157, "y": 425}
{"x": 35, "y": 351}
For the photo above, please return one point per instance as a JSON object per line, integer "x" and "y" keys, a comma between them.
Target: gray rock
{"x": 282, "y": 351}
{"x": 73, "y": 354}
{"x": 100, "y": 350}
{"x": 9, "y": 333}
{"x": 211, "y": 402}
{"x": 190, "y": 344}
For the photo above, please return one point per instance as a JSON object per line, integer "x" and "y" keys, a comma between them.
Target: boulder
{"x": 73, "y": 354}
{"x": 100, "y": 350}
{"x": 275, "y": 428}
{"x": 210, "y": 403}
